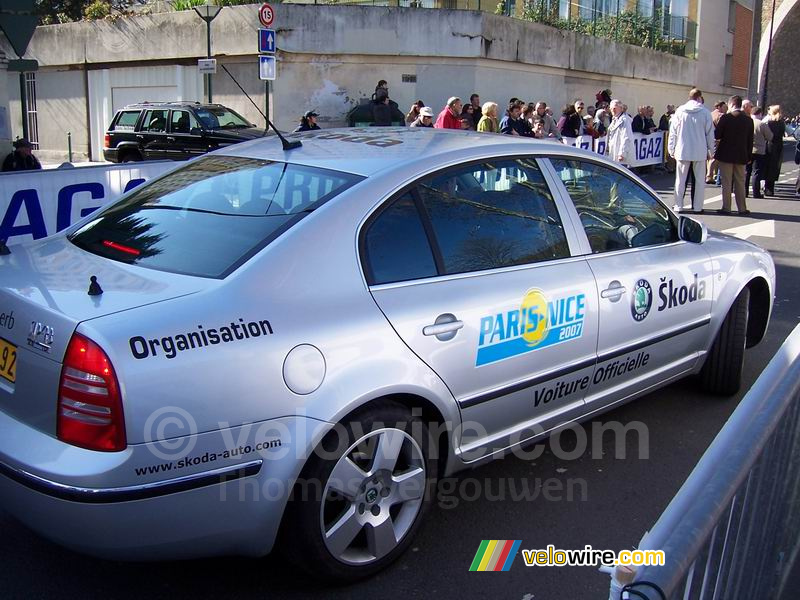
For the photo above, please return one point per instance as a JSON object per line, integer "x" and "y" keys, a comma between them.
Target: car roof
{"x": 369, "y": 150}
{"x": 182, "y": 104}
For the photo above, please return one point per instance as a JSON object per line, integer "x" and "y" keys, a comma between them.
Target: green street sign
{"x": 23, "y": 65}
{"x": 18, "y": 22}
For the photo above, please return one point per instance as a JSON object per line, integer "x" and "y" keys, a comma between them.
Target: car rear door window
{"x": 155, "y": 121}
{"x": 209, "y": 216}
{"x": 495, "y": 214}
{"x": 396, "y": 245}
{"x": 127, "y": 120}
{"x": 182, "y": 121}
{"x": 616, "y": 212}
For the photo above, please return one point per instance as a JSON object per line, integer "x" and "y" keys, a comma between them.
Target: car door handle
{"x": 614, "y": 291}
{"x": 442, "y": 328}
{"x": 170, "y": 139}
{"x": 445, "y": 327}
{"x": 139, "y": 137}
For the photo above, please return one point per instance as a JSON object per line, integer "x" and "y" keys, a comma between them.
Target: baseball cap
{"x": 425, "y": 111}
{"x": 310, "y": 113}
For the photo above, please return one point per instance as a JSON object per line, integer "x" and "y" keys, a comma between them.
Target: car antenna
{"x": 287, "y": 145}
{"x": 94, "y": 287}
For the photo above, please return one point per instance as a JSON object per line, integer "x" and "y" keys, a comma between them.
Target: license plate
{"x": 8, "y": 360}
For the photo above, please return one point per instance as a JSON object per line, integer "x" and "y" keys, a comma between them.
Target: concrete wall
{"x": 61, "y": 107}
{"x": 331, "y": 56}
{"x": 5, "y": 117}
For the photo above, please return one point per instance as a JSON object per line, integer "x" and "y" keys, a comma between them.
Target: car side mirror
{"x": 691, "y": 230}
{"x": 195, "y": 131}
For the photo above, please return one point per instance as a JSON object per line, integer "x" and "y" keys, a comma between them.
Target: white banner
{"x": 649, "y": 149}
{"x": 584, "y": 142}
{"x": 35, "y": 204}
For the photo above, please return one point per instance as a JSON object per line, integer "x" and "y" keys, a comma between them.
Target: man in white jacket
{"x": 619, "y": 143}
{"x": 691, "y": 143}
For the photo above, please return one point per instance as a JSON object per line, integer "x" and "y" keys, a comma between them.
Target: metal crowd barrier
{"x": 733, "y": 529}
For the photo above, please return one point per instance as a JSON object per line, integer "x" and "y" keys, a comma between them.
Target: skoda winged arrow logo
{"x": 642, "y": 300}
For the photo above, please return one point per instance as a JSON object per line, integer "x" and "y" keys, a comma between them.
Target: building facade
{"x": 330, "y": 58}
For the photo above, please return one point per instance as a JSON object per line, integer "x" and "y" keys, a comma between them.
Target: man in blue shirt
{"x": 512, "y": 123}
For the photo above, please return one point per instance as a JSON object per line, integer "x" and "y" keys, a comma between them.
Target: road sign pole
{"x": 23, "y": 102}
{"x": 266, "y": 45}
{"x": 208, "y": 54}
{"x": 266, "y": 102}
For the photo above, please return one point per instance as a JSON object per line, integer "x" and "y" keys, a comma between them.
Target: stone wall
{"x": 783, "y": 85}
{"x": 330, "y": 57}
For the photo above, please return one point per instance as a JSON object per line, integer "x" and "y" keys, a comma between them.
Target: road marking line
{"x": 758, "y": 229}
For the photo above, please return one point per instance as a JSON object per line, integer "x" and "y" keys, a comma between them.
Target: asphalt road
{"x": 623, "y": 496}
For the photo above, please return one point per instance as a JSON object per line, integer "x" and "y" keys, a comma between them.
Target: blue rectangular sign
{"x": 266, "y": 67}
{"x": 266, "y": 40}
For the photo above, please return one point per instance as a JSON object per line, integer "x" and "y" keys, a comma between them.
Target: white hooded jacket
{"x": 620, "y": 140}
{"x": 691, "y": 132}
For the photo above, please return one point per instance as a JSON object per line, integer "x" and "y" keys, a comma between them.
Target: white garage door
{"x": 111, "y": 89}
{"x": 122, "y": 96}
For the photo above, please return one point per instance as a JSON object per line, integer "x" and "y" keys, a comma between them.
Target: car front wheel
{"x": 362, "y": 495}
{"x": 722, "y": 371}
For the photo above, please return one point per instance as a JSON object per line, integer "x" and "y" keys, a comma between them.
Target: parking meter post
{"x": 69, "y": 146}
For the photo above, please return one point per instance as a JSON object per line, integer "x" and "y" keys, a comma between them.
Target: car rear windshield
{"x": 207, "y": 218}
{"x": 127, "y": 119}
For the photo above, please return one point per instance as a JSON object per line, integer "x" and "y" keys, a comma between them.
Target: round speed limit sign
{"x": 266, "y": 15}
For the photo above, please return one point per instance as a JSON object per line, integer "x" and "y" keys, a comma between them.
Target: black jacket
{"x": 571, "y": 126}
{"x": 644, "y": 125}
{"x": 306, "y": 127}
{"x": 735, "y": 134}
{"x": 16, "y": 162}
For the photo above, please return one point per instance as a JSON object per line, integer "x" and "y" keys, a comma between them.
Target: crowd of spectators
{"x": 611, "y": 119}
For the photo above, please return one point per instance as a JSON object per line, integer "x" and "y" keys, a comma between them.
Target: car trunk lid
{"x": 43, "y": 297}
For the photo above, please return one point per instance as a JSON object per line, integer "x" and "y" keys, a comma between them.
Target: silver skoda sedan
{"x": 285, "y": 349}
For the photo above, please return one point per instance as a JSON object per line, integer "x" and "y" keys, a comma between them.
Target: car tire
{"x": 131, "y": 156}
{"x": 722, "y": 371}
{"x": 349, "y": 517}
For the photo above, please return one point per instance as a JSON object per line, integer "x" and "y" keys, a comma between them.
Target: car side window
{"x": 615, "y": 211}
{"x": 182, "y": 121}
{"x": 494, "y": 214}
{"x": 127, "y": 120}
{"x": 155, "y": 121}
{"x": 396, "y": 247}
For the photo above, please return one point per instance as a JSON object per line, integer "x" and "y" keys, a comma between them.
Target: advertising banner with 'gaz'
{"x": 649, "y": 148}
{"x": 35, "y": 204}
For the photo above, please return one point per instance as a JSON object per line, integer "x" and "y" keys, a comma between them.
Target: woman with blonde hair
{"x": 775, "y": 149}
{"x": 488, "y": 122}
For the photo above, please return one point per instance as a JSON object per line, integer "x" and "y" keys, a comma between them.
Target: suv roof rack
{"x": 171, "y": 103}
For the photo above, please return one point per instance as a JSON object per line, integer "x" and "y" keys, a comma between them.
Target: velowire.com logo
{"x": 495, "y": 555}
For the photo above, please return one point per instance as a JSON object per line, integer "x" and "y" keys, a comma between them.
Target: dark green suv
{"x": 174, "y": 131}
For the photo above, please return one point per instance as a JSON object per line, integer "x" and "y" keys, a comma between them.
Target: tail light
{"x": 89, "y": 401}
{"x": 107, "y": 141}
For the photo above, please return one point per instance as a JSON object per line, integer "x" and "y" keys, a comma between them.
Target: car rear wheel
{"x": 370, "y": 482}
{"x": 722, "y": 371}
{"x": 131, "y": 156}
